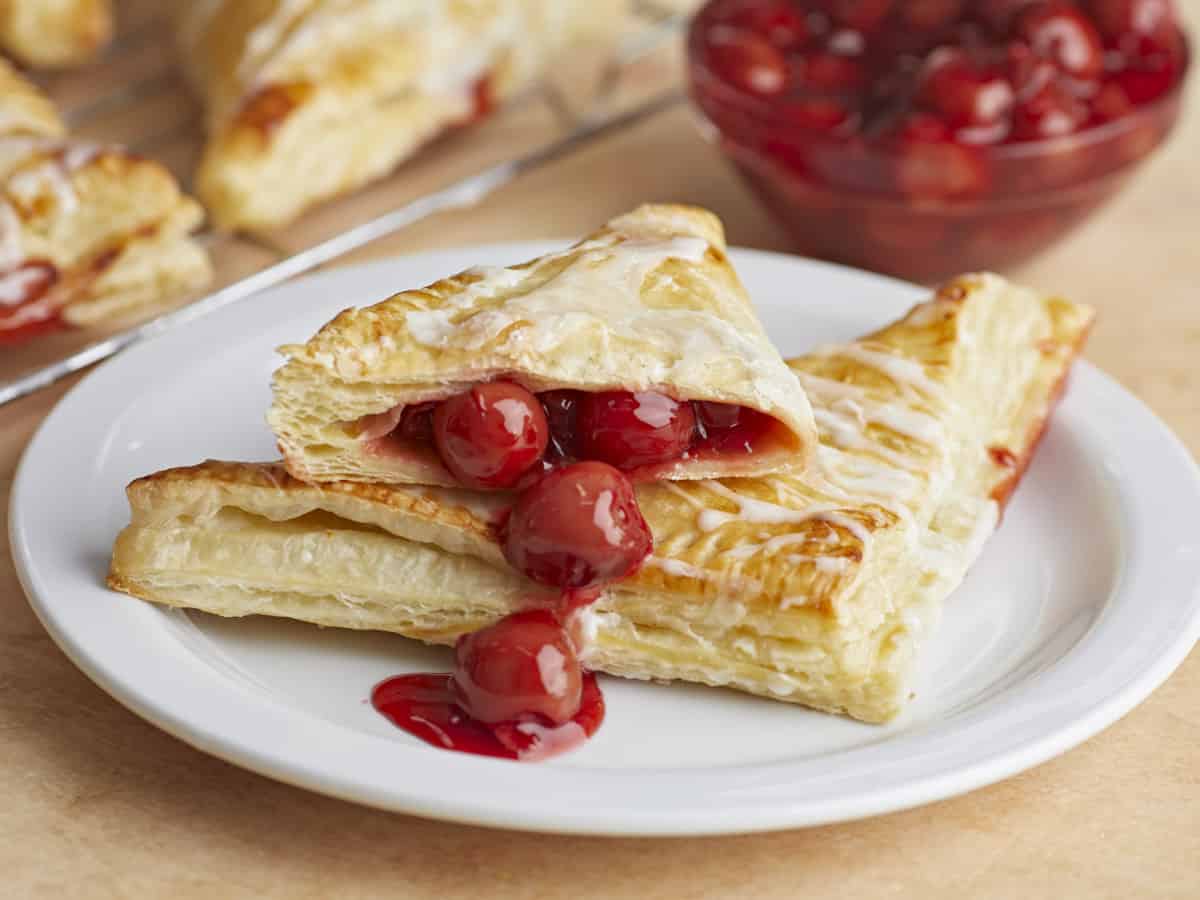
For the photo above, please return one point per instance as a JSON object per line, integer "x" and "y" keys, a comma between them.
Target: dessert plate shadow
{"x": 1084, "y": 601}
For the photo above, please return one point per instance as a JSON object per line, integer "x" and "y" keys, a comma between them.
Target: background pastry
{"x": 87, "y": 231}
{"x": 628, "y": 327}
{"x": 816, "y": 588}
{"x": 54, "y": 33}
{"x": 309, "y": 100}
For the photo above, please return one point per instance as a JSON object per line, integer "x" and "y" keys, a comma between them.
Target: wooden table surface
{"x": 97, "y": 803}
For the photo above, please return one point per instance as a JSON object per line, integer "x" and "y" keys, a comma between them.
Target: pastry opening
{"x": 499, "y": 435}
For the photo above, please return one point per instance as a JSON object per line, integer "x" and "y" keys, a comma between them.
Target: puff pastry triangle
{"x": 816, "y": 588}
{"x": 87, "y": 232}
{"x": 649, "y": 303}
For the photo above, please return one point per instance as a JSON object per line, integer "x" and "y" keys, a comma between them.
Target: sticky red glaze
{"x": 525, "y": 663}
{"x": 489, "y": 436}
{"x": 729, "y": 429}
{"x": 629, "y": 430}
{"x": 426, "y": 707}
{"x": 561, "y": 408}
{"x": 577, "y": 527}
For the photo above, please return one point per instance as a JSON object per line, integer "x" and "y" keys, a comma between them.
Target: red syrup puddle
{"x": 425, "y": 706}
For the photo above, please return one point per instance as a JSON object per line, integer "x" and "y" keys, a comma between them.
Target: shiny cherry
{"x": 1052, "y": 112}
{"x": 781, "y": 23}
{"x": 1060, "y": 32}
{"x": 577, "y": 527}
{"x": 961, "y": 91}
{"x": 629, "y": 430}
{"x": 561, "y": 408}
{"x": 523, "y": 664}
{"x": 490, "y": 435}
{"x": 416, "y": 423}
{"x": 1118, "y": 18}
{"x": 747, "y": 60}
{"x": 730, "y": 428}
{"x": 827, "y": 71}
{"x": 931, "y": 167}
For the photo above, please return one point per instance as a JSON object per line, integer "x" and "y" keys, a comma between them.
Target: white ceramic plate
{"x": 1085, "y": 600}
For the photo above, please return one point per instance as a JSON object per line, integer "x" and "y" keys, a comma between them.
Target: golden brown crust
{"x": 816, "y": 588}
{"x": 647, "y": 303}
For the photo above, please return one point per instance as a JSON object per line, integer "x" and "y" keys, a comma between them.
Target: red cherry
{"x": 999, "y": 15}
{"x": 747, "y": 61}
{"x": 1144, "y": 86}
{"x": 861, "y": 15}
{"x": 930, "y": 14}
{"x": 523, "y": 664}
{"x": 1111, "y": 103}
{"x": 730, "y": 428}
{"x": 416, "y": 423}
{"x": 825, "y": 114}
{"x": 577, "y": 527}
{"x": 1060, "y": 32}
{"x": 1118, "y": 18}
{"x": 628, "y": 430}
{"x": 780, "y": 23}
{"x": 961, "y": 91}
{"x": 1052, "y": 112}
{"x": 490, "y": 435}
{"x": 930, "y": 167}
{"x": 1028, "y": 72}
{"x": 560, "y": 408}
{"x": 832, "y": 72}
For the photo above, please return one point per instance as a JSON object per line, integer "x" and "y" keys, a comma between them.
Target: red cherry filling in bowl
{"x": 498, "y": 435}
{"x": 927, "y": 137}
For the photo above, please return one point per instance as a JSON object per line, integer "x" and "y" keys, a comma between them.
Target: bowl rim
{"x": 711, "y": 84}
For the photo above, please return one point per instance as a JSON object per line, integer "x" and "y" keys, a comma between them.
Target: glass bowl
{"x": 917, "y": 209}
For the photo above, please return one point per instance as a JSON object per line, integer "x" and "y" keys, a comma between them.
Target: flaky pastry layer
{"x": 648, "y": 303}
{"x": 817, "y": 588}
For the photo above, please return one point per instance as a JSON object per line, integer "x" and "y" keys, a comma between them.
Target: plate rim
{"x": 952, "y": 780}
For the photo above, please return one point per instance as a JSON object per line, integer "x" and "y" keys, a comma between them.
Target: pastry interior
{"x": 87, "y": 231}
{"x": 55, "y": 33}
{"x": 648, "y": 309}
{"x": 306, "y": 101}
{"x": 817, "y": 587}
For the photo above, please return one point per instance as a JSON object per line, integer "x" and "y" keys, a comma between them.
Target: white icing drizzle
{"x": 907, "y": 374}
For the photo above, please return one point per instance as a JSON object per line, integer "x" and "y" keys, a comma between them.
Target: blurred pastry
{"x": 54, "y": 33}
{"x": 309, "y": 100}
{"x": 87, "y": 232}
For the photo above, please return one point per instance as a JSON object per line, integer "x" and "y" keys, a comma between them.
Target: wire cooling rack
{"x": 135, "y": 96}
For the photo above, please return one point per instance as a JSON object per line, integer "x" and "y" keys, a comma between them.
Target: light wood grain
{"x": 99, "y": 804}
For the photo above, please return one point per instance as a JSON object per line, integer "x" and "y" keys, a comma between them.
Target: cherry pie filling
{"x": 498, "y": 435}
{"x": 885, "y": 131}
{"x": 518, "y": 688}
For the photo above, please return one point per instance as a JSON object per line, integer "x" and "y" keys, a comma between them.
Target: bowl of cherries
{"x": 927, "y": 137}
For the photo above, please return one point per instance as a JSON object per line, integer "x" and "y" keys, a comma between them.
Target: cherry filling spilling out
{"x": 498, "y": 435}
{"x": 518, "y": 688}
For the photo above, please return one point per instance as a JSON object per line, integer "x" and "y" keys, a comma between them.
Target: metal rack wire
{"x": 247, "y": 263}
